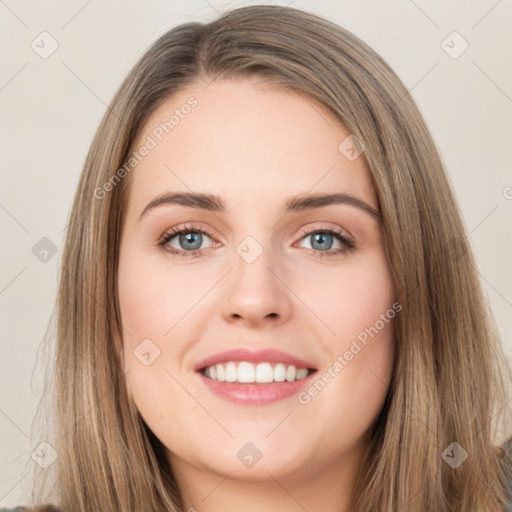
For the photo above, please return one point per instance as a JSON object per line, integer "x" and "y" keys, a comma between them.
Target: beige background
{"x": 51, "y": 108}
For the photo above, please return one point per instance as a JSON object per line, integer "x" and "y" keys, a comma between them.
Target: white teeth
{"x": 264, "y": 373}
{"x": 291, "y": 373}
{"x": 246, "y": 372}
{"x": 301, "y": 373}
{"x": 261, "y": 373}
{"x": 231, "y": 373}
{"x": 279, "y": 372}
{"x": 221, "y": 373}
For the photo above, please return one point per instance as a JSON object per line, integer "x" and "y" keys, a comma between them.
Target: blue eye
{"x": 324, "y": 237}
{"x": 190, "y": 239}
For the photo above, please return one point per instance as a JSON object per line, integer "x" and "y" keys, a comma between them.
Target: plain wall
{"x": 51, "y": 108}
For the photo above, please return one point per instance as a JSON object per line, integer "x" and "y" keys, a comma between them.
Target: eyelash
{"x": 169, "y": 235}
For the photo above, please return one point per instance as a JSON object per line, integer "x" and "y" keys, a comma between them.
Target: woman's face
{"x": 271, "y": 270}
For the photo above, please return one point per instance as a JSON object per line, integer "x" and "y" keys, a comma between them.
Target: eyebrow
{"x": 214, "y": 203}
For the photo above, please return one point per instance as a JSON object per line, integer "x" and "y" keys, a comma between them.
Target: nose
{"x": 257, "y": 292}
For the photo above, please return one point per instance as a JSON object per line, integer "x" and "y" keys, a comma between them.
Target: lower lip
{"x": 255, "y": 393}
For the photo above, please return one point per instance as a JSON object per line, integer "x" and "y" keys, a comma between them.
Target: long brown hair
{"x": 450, "y": 376}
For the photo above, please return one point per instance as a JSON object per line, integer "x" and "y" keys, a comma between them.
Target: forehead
{"x": 246, "y": 141}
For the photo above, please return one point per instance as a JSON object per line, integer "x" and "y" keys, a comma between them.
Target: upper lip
{"x": 254, "y": 356}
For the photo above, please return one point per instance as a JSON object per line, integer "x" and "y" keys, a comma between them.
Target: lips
{"x": 251, "y": 356}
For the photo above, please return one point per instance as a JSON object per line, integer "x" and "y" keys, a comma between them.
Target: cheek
{"x": 153, "y": 300}
{"x": 147, "y": 307}
{"x": 356, "y": 309}
{"x": 351, "y": 299}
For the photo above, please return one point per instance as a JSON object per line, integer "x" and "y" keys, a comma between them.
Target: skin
{"x": 254, "y": 146}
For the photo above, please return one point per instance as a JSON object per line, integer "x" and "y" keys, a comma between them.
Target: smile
{"x": 251, "y": 392}
{"x": 262, "y": 373}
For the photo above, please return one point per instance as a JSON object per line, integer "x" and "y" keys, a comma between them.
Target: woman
{"x": 250, "y": 371}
